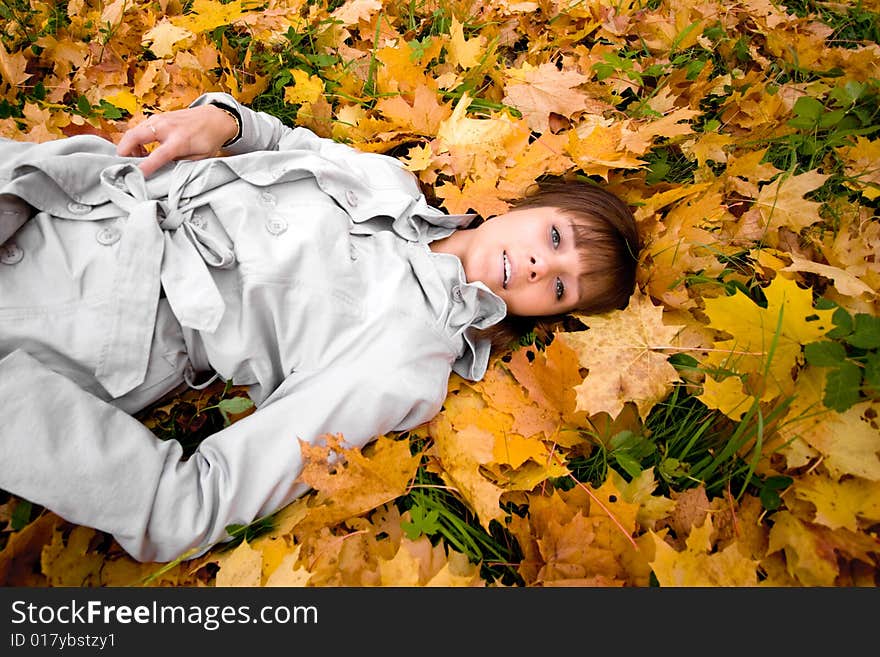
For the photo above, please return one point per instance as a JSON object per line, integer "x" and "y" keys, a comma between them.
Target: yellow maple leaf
{"x": 502, "y": 392}
{"x": 622, "y": 351}
{"x": 475, "y": 145}
{"x": 698, "y": 565}
{"x": 807, "y": 558}
{"x": 418, "y": 158}
{"x": 544, "y": 155}
{"x": 596, "y": 148}
{"x": 166, "y": 38}
{"x": 404, "y": 69}
{"x": 71, "y": 563}
{"x": 464, "y": 53}
{"x": 205, "y": 15}
{"x": 480, "y": 195}
{"x": 305, "y": 88}
{"x": 20, "y": 557}
{"x": 686, "y": 245}
{"x": 124, "y": 100}
{"x": 708, "y": 146}
{"x": 242, "y": 566}
{"x": 806, "y": 415}
{"x": 850, "y": 441}
{"x": 651, "y": 508}
{"x": 288, "y": 573}
{"x": 672, "y": 124}
{"x": 422, "y": 117}
{"x": 782, "y": 201}
{"x": 840, "y": 503}
{"x": 787, "y": 323}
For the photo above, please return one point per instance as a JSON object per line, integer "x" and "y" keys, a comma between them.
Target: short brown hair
{"x": 605, "y": 235}
{"x": 608, "y": 242}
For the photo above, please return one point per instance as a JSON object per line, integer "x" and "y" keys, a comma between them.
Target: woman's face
{"x": 528, "y": 258}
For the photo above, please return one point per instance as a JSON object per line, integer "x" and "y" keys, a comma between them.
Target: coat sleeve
{"x": 94, "y": 465}
{"x": 263, "y": 132}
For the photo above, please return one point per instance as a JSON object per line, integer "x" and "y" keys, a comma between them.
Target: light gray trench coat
{"x": 296, "y": 266}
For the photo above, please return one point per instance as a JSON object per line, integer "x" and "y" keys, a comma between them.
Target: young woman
{"x": 315, "y": 274}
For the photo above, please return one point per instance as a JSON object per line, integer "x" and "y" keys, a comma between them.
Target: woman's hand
{"x": 193, "y": 133}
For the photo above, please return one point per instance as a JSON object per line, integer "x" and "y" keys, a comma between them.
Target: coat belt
{"x": 158, "y": 244}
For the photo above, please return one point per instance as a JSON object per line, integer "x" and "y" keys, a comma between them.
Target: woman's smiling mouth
{"x": 505, "y": 278}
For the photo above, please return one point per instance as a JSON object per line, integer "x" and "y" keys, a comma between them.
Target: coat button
{"x": 78, "y": 208}
{"x": 108, "y": 236}
{"x": 11, "y": 254}
{"x": 351, "y": 197}
{"x": 197, "y": 221}
{"x": 456, "y": 293}
{"x": 267, "y": 198}
{"x": 276, "y": 225}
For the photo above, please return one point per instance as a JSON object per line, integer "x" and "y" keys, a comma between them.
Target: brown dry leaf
{"x": 570, "y": 539}
{"x": 362, "y": 481}
{"x": 622, "y": 351}
{"x": 550, "y": 378}
{"x": 691, "y": 509}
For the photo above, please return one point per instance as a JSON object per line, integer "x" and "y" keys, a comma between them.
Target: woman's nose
{"x": 537, "y": 268}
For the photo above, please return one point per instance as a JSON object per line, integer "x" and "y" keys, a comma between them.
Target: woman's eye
{"x": 560, "y": 289}
{"x": 555, "y": 237}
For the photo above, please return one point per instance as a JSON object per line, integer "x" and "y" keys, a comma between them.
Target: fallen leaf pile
{"x": 745, "y": 136}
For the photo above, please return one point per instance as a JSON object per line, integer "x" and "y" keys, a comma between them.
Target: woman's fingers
{"x": 135, "y": 138}
{"x": 168, "y": 134}
{"x": 192, "y": 133}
